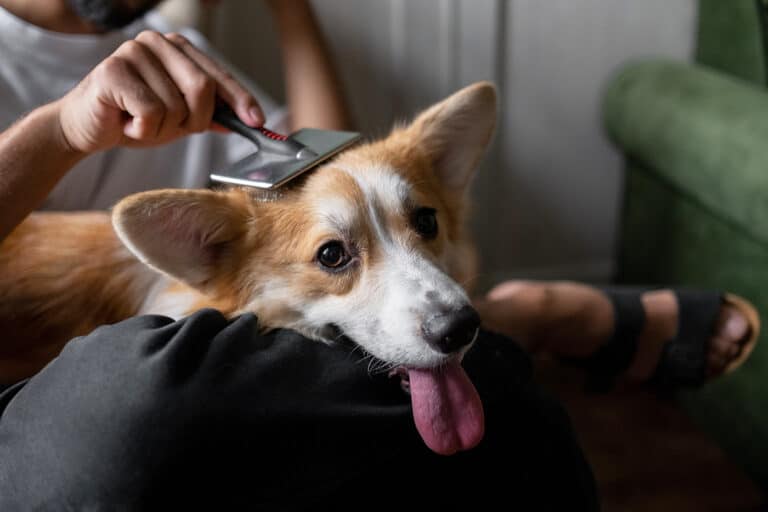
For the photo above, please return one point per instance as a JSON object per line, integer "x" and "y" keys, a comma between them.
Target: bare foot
{"x": 730, "y": 332}
{"x": 732, "y": 329}
{"x": 574, "y": 320}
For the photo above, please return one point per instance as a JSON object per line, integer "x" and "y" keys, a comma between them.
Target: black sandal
{"x": 683, "y": 361}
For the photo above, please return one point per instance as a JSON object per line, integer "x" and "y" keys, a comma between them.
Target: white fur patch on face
{"x": 385, "y": 191}
{"x": 335, "y": 213}
{"x": 384, "y": 186}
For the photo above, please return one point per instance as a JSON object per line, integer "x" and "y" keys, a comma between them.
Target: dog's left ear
{"x": 182, "y": 233}
{"x": 456, "y": 132}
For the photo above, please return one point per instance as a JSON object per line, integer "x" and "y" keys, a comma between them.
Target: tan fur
{"x": 62, "y": 275}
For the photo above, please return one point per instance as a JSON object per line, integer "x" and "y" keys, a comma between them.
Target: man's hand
{"x": 151, "y": 90}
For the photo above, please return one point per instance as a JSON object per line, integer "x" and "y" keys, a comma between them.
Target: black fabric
{"x": 615, "y": 355}
{"x": 206, "y": 413}
{"x": 683, "y": 360}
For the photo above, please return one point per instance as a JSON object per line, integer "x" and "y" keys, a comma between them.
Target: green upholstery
{"x": 732, "y": 39}
{"x": 695, "y": 209}
{"x": 706, "y": 135}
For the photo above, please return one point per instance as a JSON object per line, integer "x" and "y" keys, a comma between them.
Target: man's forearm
{"x": 34, "y": 156}
{"x": 313, "y": 90}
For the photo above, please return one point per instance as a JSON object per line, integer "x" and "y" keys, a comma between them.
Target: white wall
{"x": 561, "y": 175}
{"x": 548, "y": 195}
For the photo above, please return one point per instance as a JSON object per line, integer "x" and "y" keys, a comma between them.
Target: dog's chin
{"x": 333, "y": 334}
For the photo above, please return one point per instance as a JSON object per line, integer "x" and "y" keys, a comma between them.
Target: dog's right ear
{"x": 182, "y": 233}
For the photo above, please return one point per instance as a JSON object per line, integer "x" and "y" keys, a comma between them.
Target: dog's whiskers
{"x": 372, "y": 363}
{"x": 378, "y": 366}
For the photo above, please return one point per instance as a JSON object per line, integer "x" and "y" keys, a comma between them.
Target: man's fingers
{"x": 152, "y": 90}
{"x": 230, "y": 90}
{"x": 134, "y": 96}
{"x": 196, "y": 86}
{"x": 155, "y": 76}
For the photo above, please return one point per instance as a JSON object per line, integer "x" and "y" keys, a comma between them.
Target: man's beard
{"x": 110, "y": 14}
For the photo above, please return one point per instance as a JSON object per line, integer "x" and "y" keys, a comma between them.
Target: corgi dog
{"x": 371, "y": 245}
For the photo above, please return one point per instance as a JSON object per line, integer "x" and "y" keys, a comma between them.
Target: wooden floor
{"x": 646, "y": 453}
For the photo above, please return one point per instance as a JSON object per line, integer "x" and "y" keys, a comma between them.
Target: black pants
{"x": 206, "y": 413}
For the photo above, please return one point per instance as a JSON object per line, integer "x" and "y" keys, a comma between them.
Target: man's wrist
{"x": 50, "y": 115}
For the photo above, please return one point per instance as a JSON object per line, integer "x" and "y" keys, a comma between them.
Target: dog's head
{"x": 370, "y": 245}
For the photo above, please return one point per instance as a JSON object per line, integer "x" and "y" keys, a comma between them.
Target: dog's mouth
{"x": 446, "y": 406}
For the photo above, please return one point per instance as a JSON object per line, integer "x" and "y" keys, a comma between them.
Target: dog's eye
{"x": 425, "y": 222}
{"x": 333, "y": 255}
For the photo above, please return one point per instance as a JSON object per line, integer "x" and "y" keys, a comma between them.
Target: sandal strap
{"x": 683, "y": 360}
{"x": 615, "y": 355}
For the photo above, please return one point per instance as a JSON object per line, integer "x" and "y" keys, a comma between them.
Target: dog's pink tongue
{"x": 446, "y": 408}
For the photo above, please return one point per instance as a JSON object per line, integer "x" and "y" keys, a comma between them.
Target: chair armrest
{"x": 702, "y": 132}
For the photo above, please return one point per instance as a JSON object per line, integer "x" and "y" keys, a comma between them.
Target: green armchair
{"x": 695, "y": 209}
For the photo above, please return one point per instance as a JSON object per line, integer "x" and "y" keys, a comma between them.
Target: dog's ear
{"x": 456, "y": 132}
{"x": 182, "y": 233}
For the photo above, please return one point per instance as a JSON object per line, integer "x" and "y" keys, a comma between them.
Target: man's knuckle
{"x": 201, "y": 85}
{"x": 148, "y": 36}
{"x": 114, "y": 65}
{"x": 131, "y": 49}
{"x": 177, "y": 38}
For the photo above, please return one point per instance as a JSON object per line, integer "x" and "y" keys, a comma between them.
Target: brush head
{"x": 269, "y": 169}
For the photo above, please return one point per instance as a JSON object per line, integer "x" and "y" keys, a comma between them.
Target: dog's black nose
{"x": 448, "y": 332}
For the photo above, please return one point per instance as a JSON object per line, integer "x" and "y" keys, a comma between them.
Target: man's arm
{"x": 34, "y": 156}
{"x": 150, "y": 91}
{"x": 313, "y": 90}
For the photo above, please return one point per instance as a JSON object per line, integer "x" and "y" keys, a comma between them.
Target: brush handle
{"x": 265, "y": 140}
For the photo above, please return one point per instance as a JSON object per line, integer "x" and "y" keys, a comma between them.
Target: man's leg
{"x": 206, "y": 412}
